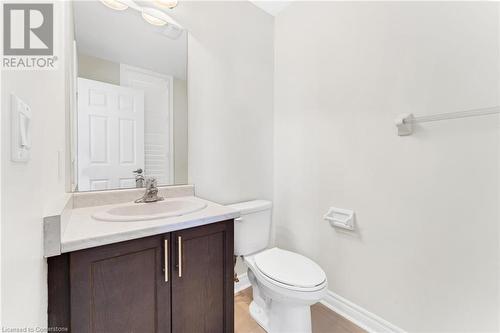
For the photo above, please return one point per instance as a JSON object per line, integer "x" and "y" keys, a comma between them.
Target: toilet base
{"x": 282, "y": 318}
{"x": 277, "y": 316}
{"x": 259, "y": 315}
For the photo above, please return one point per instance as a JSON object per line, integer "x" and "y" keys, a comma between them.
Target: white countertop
{"x": 83, "y": 231}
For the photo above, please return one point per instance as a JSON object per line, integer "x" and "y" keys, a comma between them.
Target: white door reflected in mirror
{"x": 110, "y": 135}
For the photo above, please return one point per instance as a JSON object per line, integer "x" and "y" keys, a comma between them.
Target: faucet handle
{"x": 138, "y": 171}
{"x": 150, "y": 182}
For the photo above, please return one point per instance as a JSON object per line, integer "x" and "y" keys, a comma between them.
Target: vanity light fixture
{"x": 170, "y": 4}
{"x": 153, "y": 16}
{"x": 115, "y": 4}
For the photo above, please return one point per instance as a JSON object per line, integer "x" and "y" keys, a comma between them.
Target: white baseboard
{"x": 359, "y": 316}
{"x": 243, "y": 284}
{"x": 354, "y": 313}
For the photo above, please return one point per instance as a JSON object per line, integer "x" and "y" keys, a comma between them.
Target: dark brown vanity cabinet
{"x": 176, "y": 282}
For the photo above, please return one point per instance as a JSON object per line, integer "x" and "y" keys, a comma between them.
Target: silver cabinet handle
{"x": 166, "y": 260}
{"x": 179, "y": 241}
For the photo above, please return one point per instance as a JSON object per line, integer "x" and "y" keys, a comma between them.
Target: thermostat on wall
{"x": 20, "y": 130}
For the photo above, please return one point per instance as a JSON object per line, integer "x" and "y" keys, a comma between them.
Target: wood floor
{"x": 323, "y": 319}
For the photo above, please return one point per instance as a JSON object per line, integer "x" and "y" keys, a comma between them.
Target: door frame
{"x": 170, "y": 79}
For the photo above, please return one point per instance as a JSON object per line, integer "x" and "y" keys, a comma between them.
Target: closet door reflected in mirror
{"x": 129, "y": 118}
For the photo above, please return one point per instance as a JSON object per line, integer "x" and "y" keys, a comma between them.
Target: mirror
{"x": 129, "y": 118}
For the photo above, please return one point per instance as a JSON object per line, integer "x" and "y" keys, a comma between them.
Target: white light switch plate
{"x": 20, "y": 130}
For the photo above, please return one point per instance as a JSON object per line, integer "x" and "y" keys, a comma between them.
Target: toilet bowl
{"x": 285, "y": 284}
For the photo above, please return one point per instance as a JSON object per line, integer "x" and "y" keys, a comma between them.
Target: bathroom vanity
{"x": 172, "y": 274}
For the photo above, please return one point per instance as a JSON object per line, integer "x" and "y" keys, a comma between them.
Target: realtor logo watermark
{"x": 28, "y": 36}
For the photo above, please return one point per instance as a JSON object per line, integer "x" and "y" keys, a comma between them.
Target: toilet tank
{"x": 253, "y": 229}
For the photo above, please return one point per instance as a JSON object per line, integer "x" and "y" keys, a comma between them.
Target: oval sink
{"x": 149, "y": 211}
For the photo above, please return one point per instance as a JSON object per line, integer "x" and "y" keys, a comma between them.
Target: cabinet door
{"x": 202, "y": 280}
{"x": 121, "y": 287}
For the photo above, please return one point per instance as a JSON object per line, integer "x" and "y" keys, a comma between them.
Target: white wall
{"x": 425, "y": 253}
{"x": 99, "y": 69}
{"x": 31, "y": 190}
{"x": 498, "y": 159}
{"x": 230, "y": 93}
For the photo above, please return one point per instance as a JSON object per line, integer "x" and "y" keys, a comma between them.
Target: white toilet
{"x": 285, "y": 284}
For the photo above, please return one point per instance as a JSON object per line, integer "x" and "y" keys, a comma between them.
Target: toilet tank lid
{"x": 253, "y": 206}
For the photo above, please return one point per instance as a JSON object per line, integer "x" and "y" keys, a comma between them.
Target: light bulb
{"x": 154, "y": 20}
{"x": 166, "y": 3}
{"x": 114, "y": 4}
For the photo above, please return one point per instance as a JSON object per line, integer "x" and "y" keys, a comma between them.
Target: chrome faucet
{"x": 151, "y": 194}
{"x": 139, "y": 178}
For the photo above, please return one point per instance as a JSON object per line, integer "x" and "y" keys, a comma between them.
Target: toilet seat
{"x": 290, "y": 270}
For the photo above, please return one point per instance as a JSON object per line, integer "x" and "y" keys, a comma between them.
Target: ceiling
{"x": 272, "y": 7}
{"x": 125, "y": 37}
